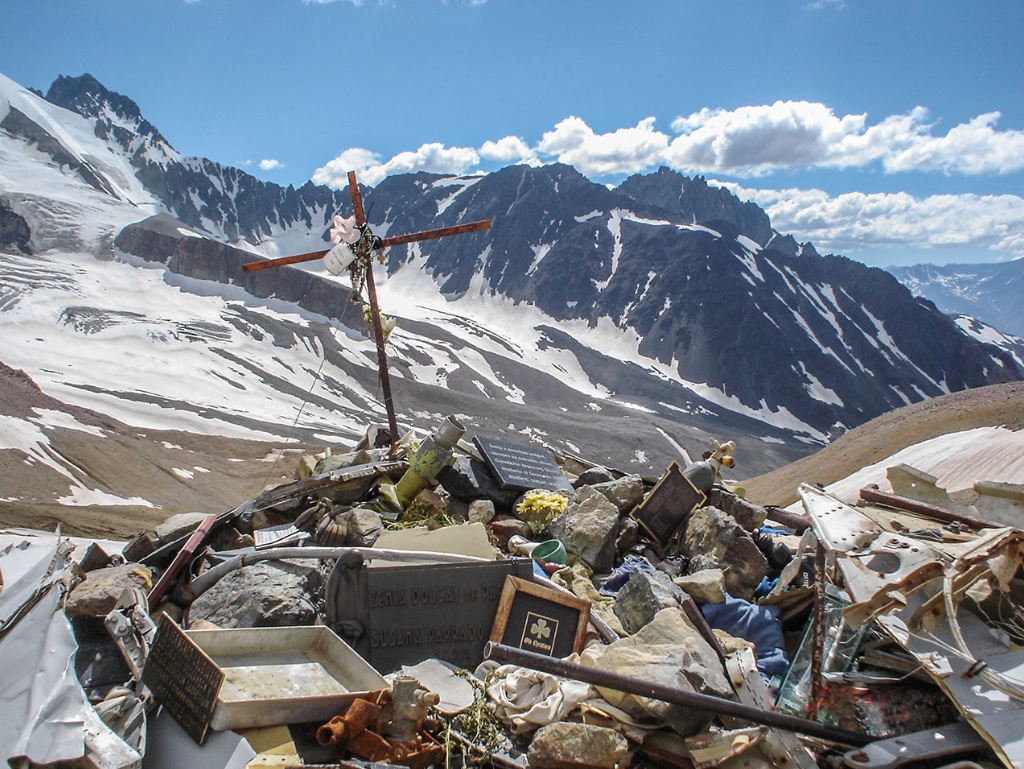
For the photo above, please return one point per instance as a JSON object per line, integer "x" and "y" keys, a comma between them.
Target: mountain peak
{"x": 91, "y": 99}
{"x": 693, "y": 200}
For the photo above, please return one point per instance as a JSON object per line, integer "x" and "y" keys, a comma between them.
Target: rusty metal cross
{"x": 363, "y": 250}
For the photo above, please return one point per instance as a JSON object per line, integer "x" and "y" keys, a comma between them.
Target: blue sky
{"x": 891, "y": 131}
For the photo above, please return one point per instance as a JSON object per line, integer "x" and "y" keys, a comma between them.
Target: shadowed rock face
{"x": 14, "y": 230}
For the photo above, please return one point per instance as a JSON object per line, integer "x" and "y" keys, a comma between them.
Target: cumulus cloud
{"x": 270, "y": 164}
{"x": 856, "y": 220}
{"x": 511, "y": 149}
{"x": 335, "y": 172}
{"x": 759, "y": 139}
{"x": 624, "y": 151}
{"x": 433, "y": 158}
{"x": 751, "y": 141}
{"x": 745, "y": 142}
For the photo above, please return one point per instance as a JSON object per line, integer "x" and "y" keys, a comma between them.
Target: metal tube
{"x": 707, "y": 702}
{"x": 874, "y": 494}
{"x": 211, "y": 576}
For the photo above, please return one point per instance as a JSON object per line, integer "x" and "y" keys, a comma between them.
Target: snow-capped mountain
{"x": 627, "y": 325}
{"x": 992, "y": 292}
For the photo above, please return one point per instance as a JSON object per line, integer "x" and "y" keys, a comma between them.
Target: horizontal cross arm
{"x": 281, "y": 261}
{"x": 458, "y": 229}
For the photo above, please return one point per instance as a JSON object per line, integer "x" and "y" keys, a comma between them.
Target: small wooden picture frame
{"x": 540, "y": 620}
{"x": 667, "y": 506}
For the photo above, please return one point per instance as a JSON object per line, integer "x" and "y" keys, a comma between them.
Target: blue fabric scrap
{"x": 758, "y": 624}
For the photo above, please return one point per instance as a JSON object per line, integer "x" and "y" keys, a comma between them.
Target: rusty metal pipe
{"x": 874, "y": 494}
{"x": 717, "y": 705}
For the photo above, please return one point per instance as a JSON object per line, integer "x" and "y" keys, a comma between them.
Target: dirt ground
{"x": 151, "y": 475}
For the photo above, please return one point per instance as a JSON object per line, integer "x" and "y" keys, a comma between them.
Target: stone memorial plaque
{"x": 540, "y": 620}
{"x": 665, "y": 509}
{"x": 402, "y": 615}
{"x": 182, "y": 678}
{"x": 522, "y": 467}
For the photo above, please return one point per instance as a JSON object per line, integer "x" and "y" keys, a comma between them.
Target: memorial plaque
{"x": 522, "y": 467}
{"x": 402, "y": 615}
{"x": 182, "y": 678}
{"x": 667, "y": 506}
{"x": 540, "y": 620}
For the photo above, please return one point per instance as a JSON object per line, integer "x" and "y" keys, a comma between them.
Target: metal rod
{"x": 707, "y": 702}
{"x": 283, "y": 260}
{"x": 211, "y": 576}
{"x": 874, "y": 494}
{"x": 415, "y": 237}
{"x": 818, "y": 638}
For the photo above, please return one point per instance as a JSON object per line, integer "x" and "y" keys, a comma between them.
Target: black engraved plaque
{"x": 522, "y": 467}
{"x": 182, "y": 678}
{"x": 402, "y": 615}
{"x": 667, "y": 506}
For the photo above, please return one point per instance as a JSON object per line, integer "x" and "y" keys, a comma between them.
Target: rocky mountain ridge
{"x": 666, "y": 295}
{"x": 989, "y": 291}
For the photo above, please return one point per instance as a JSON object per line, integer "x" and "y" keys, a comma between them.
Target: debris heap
{"x": 450, "y": 600}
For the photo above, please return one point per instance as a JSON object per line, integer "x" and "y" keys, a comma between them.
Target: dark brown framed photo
{"x": 539, "y": 619}
{"x": 665, "y": 509}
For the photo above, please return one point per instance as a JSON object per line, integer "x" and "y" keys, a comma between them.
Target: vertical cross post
{"x": 378, "y": 331}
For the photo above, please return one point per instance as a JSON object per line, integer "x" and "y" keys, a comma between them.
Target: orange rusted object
{"x": 341, "y": 730}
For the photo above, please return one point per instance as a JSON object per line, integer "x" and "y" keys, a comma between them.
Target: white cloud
{"x": 747, "y": 141}
{"x": 972, "y": 148}
{"x": 269, "y": 164}
{"x": 856, "y": 220}
{"x": 624, "y": 151}
{"x": 759, "y": 139}
{"x": 510, "y": 149}
{"x": 434, "y": 158}
{"x": 755, "y": 140}
{"x": 335, "y": 172}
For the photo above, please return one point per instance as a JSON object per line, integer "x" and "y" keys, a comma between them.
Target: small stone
{"x": 570, "y": 745}
{"x": 746, "y": 514}
{"x": 178, "y": 526}
{"x": 704, "y": 586}
{"x": 593, "y": 476}
{"x": 504, "y": 527}
{"x": 625, "y": 493}
{"x": 480, "y": 511}
{"x": 363, "y": 525}
{"x": 101, "y": 589}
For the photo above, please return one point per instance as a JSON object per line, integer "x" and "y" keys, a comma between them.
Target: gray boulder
{"x": 588, "y": 528}
{"x": 643, "y": 596}
{"x": 363, "y": 527}
{"x": 625, "y": 493}
{"x": 713, "y": 540}
{"x": 266, "y": 594}
{"x": 746, "y": 513}
{"x": 669, "y": 651}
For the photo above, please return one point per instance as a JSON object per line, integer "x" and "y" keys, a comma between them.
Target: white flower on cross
{"x": 344, "y": 230}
